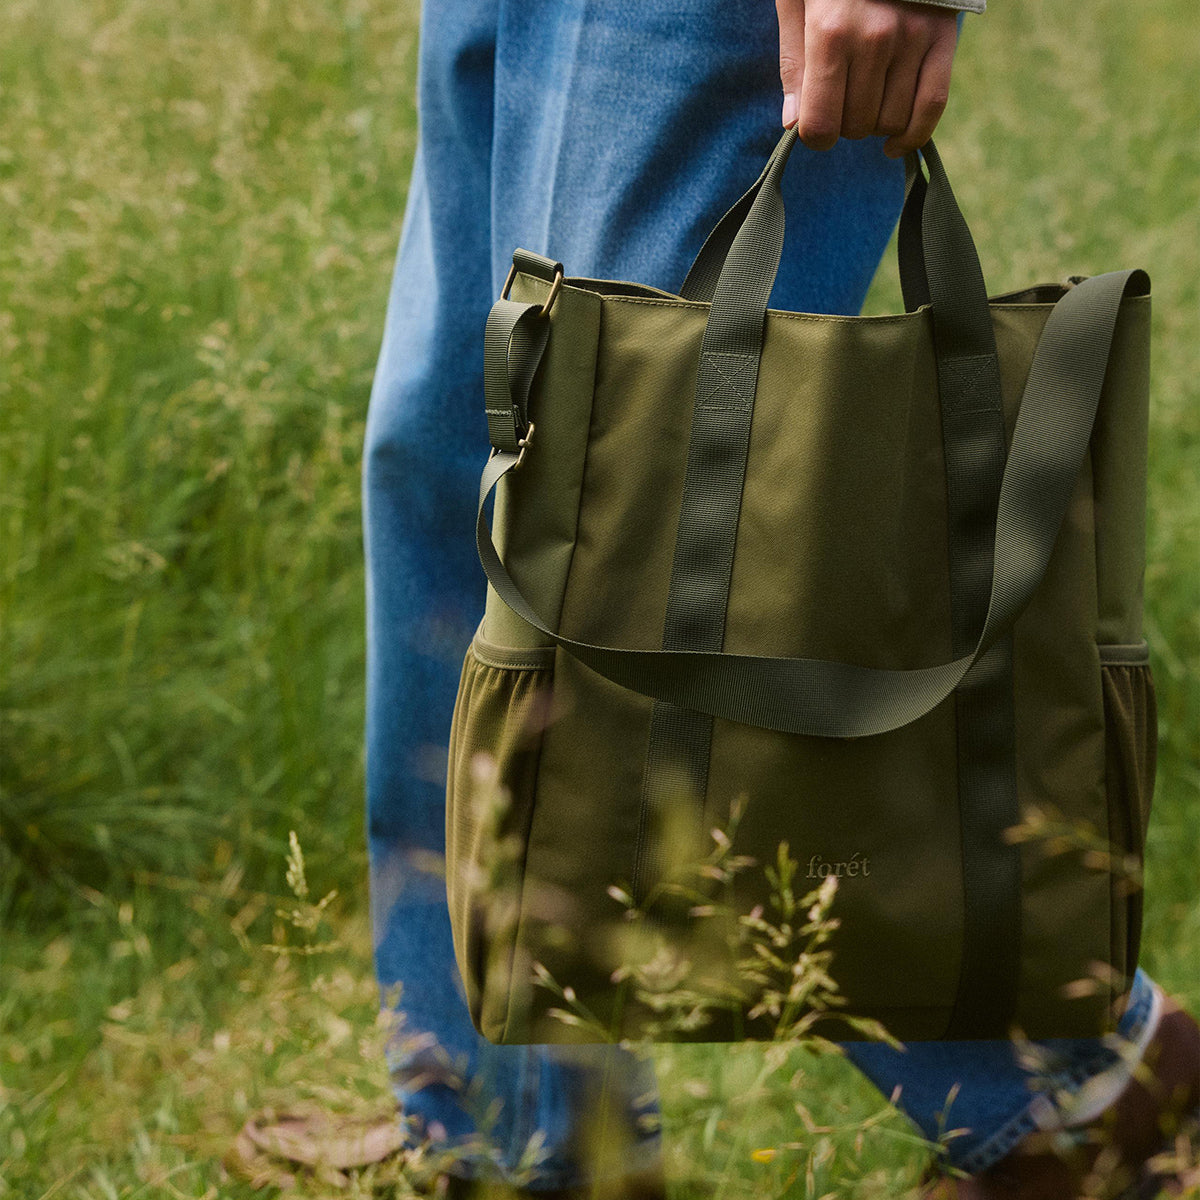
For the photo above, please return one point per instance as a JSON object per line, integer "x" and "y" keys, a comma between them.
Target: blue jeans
{"x": 611, "y": 135}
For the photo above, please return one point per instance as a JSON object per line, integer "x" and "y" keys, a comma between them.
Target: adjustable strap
{"x": 831, "y": 699}
{"x": 513, "y": 342}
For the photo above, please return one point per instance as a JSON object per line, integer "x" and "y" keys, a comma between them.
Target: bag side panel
{"x": 1066, "y": 904}
{"x": 1131, "y": 750}
{"x": 584, "y": 831}
{"x": 1119, "y": 456}
{"x": 495, "y": 740}
{"x": 536, "y": 506}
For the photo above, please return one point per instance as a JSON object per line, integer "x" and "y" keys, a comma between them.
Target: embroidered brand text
{"x": 819, "y": 868}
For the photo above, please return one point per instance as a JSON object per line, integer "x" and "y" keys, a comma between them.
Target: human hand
{"x": 854, "y": 68}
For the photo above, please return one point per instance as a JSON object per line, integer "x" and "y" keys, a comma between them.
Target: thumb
{"x": 791, "y": 56}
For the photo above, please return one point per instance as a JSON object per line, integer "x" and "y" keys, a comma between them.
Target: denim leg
{"x": 624, "y": 130}
{"x": 612, "y": 136}
{"x": 425, "y": 444}
{"x": 1000, "y": 1099}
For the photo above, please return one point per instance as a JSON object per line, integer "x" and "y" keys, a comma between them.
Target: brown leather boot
{"x": 1146, "y": 1142}
{"x": 278, "y": 1150}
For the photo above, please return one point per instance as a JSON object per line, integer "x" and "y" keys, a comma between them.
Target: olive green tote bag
{"x": 865, "y": 591}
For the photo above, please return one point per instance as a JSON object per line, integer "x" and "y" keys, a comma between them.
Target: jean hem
{"x": 1039, "y": 1110}
{"x": 643, "y": 1155}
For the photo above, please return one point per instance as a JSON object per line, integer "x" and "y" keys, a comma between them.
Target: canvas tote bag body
{"x": 876, "y": 582}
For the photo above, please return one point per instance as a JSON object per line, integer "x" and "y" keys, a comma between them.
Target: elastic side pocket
{"x": 1130, "y": 755}
{"x": 495, "y": 740}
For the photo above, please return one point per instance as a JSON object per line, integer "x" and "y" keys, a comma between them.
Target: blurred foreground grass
{"x": 200, "y": 207}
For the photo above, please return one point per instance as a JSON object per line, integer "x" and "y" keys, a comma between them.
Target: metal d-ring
{"x": 555, "y": 287}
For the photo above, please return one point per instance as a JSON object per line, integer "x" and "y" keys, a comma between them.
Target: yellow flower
{"x": 764, "y": 1155}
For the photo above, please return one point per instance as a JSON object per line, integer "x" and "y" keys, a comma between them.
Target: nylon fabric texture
{"x": 840, "y": 581}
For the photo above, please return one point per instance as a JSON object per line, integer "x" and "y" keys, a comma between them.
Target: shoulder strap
{"x": 834, "y": 699}
{"x": 1009, "y": 549}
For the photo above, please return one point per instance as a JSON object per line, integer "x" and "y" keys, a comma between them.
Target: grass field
{"x": 200, "y": 204}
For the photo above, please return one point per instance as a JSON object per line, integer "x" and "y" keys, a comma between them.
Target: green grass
{"x": 200, "y": 214}
{"x": 200, "y": 208}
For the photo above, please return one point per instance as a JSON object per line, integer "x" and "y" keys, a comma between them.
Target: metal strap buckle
{"x": 523, "y": 443}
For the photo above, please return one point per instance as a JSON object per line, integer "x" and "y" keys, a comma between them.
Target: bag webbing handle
{"x": 833, "y": 699}
{"x": 702, "y": 276}
{"x": 705, "y": 270}
{"x": 968, "y": 389}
